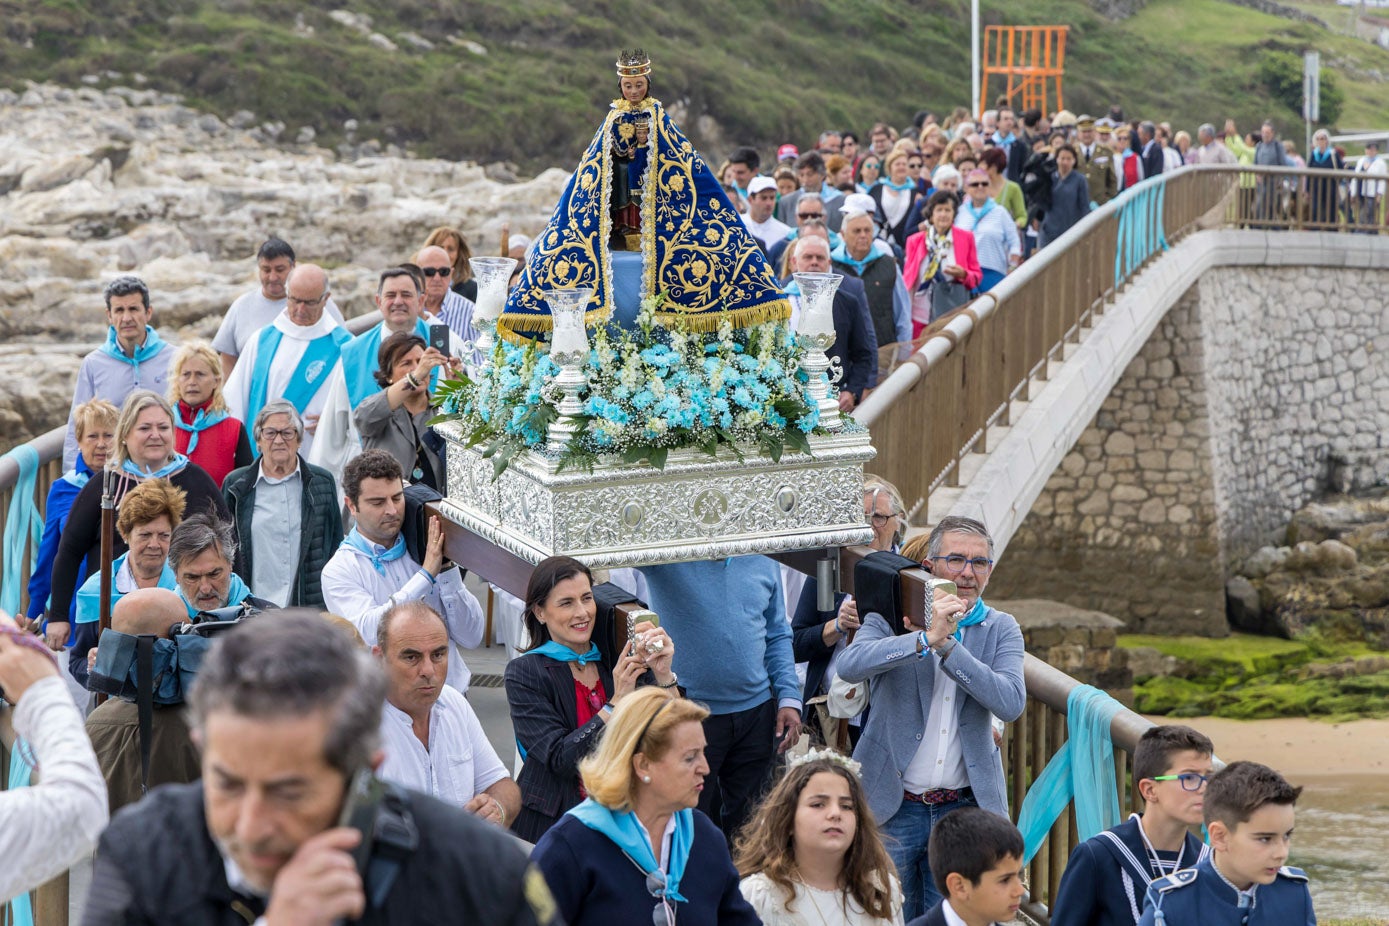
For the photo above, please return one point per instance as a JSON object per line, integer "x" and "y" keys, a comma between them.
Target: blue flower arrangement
{"x": 650, "y": 390}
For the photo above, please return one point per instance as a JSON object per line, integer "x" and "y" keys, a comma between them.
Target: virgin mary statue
{"x": 643, "y": 216}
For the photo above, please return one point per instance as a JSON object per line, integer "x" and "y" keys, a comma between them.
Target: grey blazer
{"x": 987, "y": 666}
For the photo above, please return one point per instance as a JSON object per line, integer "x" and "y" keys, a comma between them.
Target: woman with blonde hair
{"x": 144, "y": 450}
{"x": 637, "y": 839}
{"x": 812, "y": 854}
{"x": 205, "y": 431}
{"x": 452, "y": 241}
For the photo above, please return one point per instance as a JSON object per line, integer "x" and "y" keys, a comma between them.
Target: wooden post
{"x": 108, "y": 543}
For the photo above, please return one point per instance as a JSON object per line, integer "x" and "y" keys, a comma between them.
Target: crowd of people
{"x": 280, "y": 471}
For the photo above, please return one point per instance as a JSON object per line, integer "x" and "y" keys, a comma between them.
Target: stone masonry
{"x": 1229, "y": 419}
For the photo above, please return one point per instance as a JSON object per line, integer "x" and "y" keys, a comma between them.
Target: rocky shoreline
{"x": 99, "y": 182}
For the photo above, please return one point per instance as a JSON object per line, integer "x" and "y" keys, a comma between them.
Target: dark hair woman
{"x": 561, "y": 693}
{"x": 396, "y": 419}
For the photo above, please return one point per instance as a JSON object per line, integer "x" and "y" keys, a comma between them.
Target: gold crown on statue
{"x": 633, "y": 64}
{"x": 829, "y": 755}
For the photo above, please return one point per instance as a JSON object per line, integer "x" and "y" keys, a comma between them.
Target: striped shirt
{"x": 995, "y": 235}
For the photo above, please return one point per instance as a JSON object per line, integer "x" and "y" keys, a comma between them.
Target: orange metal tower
{"x": 1031, "y": 59}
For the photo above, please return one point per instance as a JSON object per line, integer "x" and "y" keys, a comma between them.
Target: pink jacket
{"x": 965, "y": 255}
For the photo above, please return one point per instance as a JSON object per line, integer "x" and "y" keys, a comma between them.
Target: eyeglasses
{"x": 880, "y": 519}
{"x": 663, "y": 915}
{"x": 436, "y": 271}
{"x": 981, "y": 183}
{"x": 314, "y": 301}
{"x": 809, "y": 215}
{"x": 1191, "y": 781}
{"x": 956, "y": 564}
{"x": 285, "y": 434}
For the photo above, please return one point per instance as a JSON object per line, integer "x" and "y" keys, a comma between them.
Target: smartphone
{"x": 635, "y": 617}
{"x": 439, "y": 338}
{"x": 359, "y": 807}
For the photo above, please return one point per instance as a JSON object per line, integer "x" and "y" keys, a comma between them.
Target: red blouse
{"x": 589, "y": 700}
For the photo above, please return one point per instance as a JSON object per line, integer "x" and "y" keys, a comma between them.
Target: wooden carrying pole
{"x": 108, "y": 543}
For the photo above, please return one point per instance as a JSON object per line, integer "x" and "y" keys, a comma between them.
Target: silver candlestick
{"x": 816, "y": 331}
{"x": 569, "y": 350}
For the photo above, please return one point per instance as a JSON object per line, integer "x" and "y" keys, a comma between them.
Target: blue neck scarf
{"x": 902, "y": 187}
{"x": 975, "y": 616}
{"x": 237, "y": 592}
{"x": 146, "y": 351}
{"x": 201, "y": 422}
{"x": 1004, "y": 141}
{"x": 978, "y": 213}
{"x": 356, "y": 542}
{"x": 840, "y": 255}
{"x": 562, "y": 653}
{"x": 627, "y": 833}
{"x": 164, "y": 472}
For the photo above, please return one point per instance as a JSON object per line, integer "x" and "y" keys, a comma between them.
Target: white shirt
{"x": 54, "y": 824}
{"x": 458, "y": 765}
{"x": 275, "y": 535}
{"x": 296, "y": 340}
{"x": 1376, "y": 167}
{"x": 940, "y": 759}
{"x": 354, "y": 589}
{"x": 951, "y": 917}
{"x": 770, "y": 231}
{"x": 250, "y": 313}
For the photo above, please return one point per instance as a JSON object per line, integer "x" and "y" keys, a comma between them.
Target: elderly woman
{"x": 149, "y": 513}
{"x": 942, "y": 265}
{"x": 206, "y": 432}
{"x": 144, "y": 450}
{"x": 396, "y": 419}
{"x": 452, "y": 241}
{"x": 562, "y": 693}
{"x": 894, "y": 196}
{"x": 817, "y": 638}
{"x": 1322, "y": 192}
{"x": 637, "y": 840}
{"x": 995, "y": 235}
{"x": 95, "y": 423}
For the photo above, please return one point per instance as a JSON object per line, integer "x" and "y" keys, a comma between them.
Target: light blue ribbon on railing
{"x": 20, "y": 776}
{"x": 1142, "y": 231}
{"x": 1082, "y": 769}
{"x": 24, "y": 525}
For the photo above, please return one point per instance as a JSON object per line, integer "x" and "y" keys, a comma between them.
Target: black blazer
{"x": 932, "y": 917}
{"x": 807, "y": 639}
{"x": 540, "y": 693}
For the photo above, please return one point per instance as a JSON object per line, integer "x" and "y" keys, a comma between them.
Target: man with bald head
{"x": 441, "y": 302}
{"x": 294, "y": 357}
{"x": 854, "y": 347}
{"x": 114, "y": 727}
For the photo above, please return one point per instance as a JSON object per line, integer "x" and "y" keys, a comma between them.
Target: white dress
{"x": 811, "y": 906}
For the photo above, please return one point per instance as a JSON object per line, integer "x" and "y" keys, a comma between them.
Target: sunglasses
{"x": 810, "y": 215}
{"x": 978, "y": 184}
{"x": 436, "y": 271}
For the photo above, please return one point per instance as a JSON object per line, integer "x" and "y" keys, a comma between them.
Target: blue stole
{"x": 237, "y": 592}
{"x": 561, "y": 653}
{"x": 164, "y": 472}
{"x": 89, "y": 595}
{"x": 147, "y": 351}
{"x": 841, "y": 255}
{"x": 201, "y": 422}
{"x": 902, "y": 187}
{"x": 358, "y": 544}
{"x": 627, "y": 833}
{"x": 307, "y": 377}
{"x": 975, "y": 616}
{"x": 359, "y": 362}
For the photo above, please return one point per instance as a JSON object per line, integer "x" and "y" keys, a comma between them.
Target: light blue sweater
{"x": 728, "y": 621}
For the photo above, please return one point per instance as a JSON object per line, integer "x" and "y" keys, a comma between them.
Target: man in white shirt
{"x": 764, "y": 226}
{"x": 1366, "y": 193}
{"x": 433, "y": 741}
{"x": 293, "y": 358}
{"x": 254, "y": 310}
{"x": 372, "y": 571}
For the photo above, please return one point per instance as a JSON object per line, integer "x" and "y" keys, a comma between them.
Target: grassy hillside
{"x": 524, "y": 80}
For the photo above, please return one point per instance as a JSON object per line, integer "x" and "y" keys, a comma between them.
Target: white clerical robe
{"x": 295, "y": 341}
{"x": 458, "y": 765}
{"x": 352, "y": 588}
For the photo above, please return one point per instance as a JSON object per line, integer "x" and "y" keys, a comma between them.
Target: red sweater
{"x": 221, "y": 448}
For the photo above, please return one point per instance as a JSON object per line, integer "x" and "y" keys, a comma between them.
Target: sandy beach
{"x": 1300, "y": 747}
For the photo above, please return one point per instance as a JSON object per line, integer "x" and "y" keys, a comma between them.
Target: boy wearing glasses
{"x": 1243, "y": 881}
{"x": 1105, "y": 880}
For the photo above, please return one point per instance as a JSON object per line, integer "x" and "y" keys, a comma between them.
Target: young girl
{"x": 812, "y": 855}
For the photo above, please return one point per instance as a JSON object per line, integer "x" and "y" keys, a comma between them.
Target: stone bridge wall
{"x": 1221, "y": 427}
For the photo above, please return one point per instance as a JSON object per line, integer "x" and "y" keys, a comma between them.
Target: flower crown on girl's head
{"x": 829, "y": 755}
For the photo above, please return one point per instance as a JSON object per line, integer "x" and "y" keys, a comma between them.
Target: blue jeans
{"x": 906, "y": 834}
